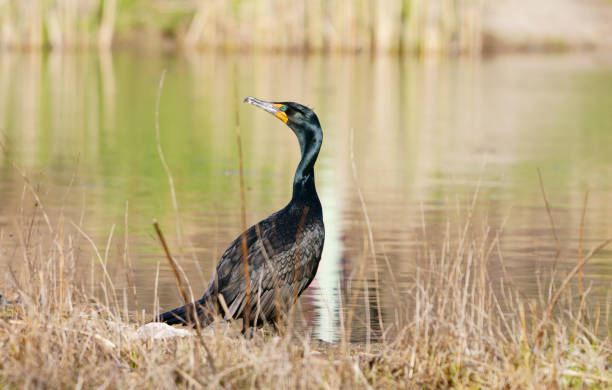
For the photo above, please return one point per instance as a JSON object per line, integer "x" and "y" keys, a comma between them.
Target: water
{"x": 427, "y": 136}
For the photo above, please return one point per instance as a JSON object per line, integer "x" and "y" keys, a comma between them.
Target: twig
{"x": 30, "y": 187}
{"x": 163, "y": 160}
{"x": 60, "y": 244}
{"x": 155, "y": 296}
{"x": 173, "y": 264}
{"x": 586, "y": 199}
{"x": 366, "y": 216}
{"x": 352, "y": 303}
{"x": 550, "y": 217}
{"x": 564, "y": 284}
{"x": 245, "y": 255}
{"x": 296, "y": 260}
{"x": 191, "y": 307}
{"x": 273, "y": 271}
{"x": 127, "y": 261}
{"x": 98, "y": 256}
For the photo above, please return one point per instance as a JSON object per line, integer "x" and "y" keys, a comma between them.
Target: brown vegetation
{"x": 454, "y": 328}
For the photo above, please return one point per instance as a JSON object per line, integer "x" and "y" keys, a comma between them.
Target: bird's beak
{"x": 272, "y": 108}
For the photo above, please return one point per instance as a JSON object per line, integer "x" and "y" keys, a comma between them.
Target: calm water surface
{"x": 427, "y": 135}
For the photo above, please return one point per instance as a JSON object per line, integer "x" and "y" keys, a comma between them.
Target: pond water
{"x": 427, "y": 136}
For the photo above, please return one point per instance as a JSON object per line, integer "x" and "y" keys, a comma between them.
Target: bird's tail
{"x": 184, "y": 315}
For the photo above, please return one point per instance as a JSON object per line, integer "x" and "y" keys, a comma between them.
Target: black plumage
{"x": 283, "y": 250}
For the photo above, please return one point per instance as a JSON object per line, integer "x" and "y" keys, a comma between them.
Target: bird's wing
{"x": 272, "y": 251}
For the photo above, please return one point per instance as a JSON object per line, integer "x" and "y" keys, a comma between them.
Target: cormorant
{"x": 283, "y": 250}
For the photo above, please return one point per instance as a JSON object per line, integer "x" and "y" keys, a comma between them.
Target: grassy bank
{"x": 456, "y": 326}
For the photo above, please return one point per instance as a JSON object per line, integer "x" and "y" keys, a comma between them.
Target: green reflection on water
{"x": 424, "y": 132}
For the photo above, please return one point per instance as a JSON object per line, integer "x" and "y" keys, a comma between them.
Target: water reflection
{"x": 329, "y": 276}
{"x": 426, "y": 133}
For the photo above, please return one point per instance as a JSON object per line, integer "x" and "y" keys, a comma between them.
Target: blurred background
{"x": 446, "y": 99}
{"x": 440, "y": 27}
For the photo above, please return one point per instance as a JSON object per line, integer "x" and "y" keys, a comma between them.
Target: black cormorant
{"x": 283, "y": 250}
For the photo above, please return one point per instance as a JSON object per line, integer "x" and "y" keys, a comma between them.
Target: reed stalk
{"x": 434, "y": 27}
{"x": 458, "y": 330}
{"x": 57, "y": 24}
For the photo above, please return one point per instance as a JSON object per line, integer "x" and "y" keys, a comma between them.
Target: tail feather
{"x": 183, "y": 315}
{"x": 175, "y": 316}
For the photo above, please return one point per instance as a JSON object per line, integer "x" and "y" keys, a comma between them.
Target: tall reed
{"x": 58, "y": 24}
{"x": 435, "y": 26}
{"x": 408, "y": 26}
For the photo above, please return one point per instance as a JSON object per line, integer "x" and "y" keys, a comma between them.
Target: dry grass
{"x": 457, "y": 328}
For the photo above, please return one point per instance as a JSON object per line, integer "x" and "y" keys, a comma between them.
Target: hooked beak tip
{"x": 272, "y": 108}
{"x": 266, "y": 106}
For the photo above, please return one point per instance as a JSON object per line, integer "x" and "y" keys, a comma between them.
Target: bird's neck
{"x": 304, "y": 181}
{"x": 304, "y": 187}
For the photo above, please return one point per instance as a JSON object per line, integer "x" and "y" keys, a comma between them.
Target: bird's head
{"x": 301, "y": 119}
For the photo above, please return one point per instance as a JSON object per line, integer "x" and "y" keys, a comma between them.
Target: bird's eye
{"x": 283, "y": 108}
